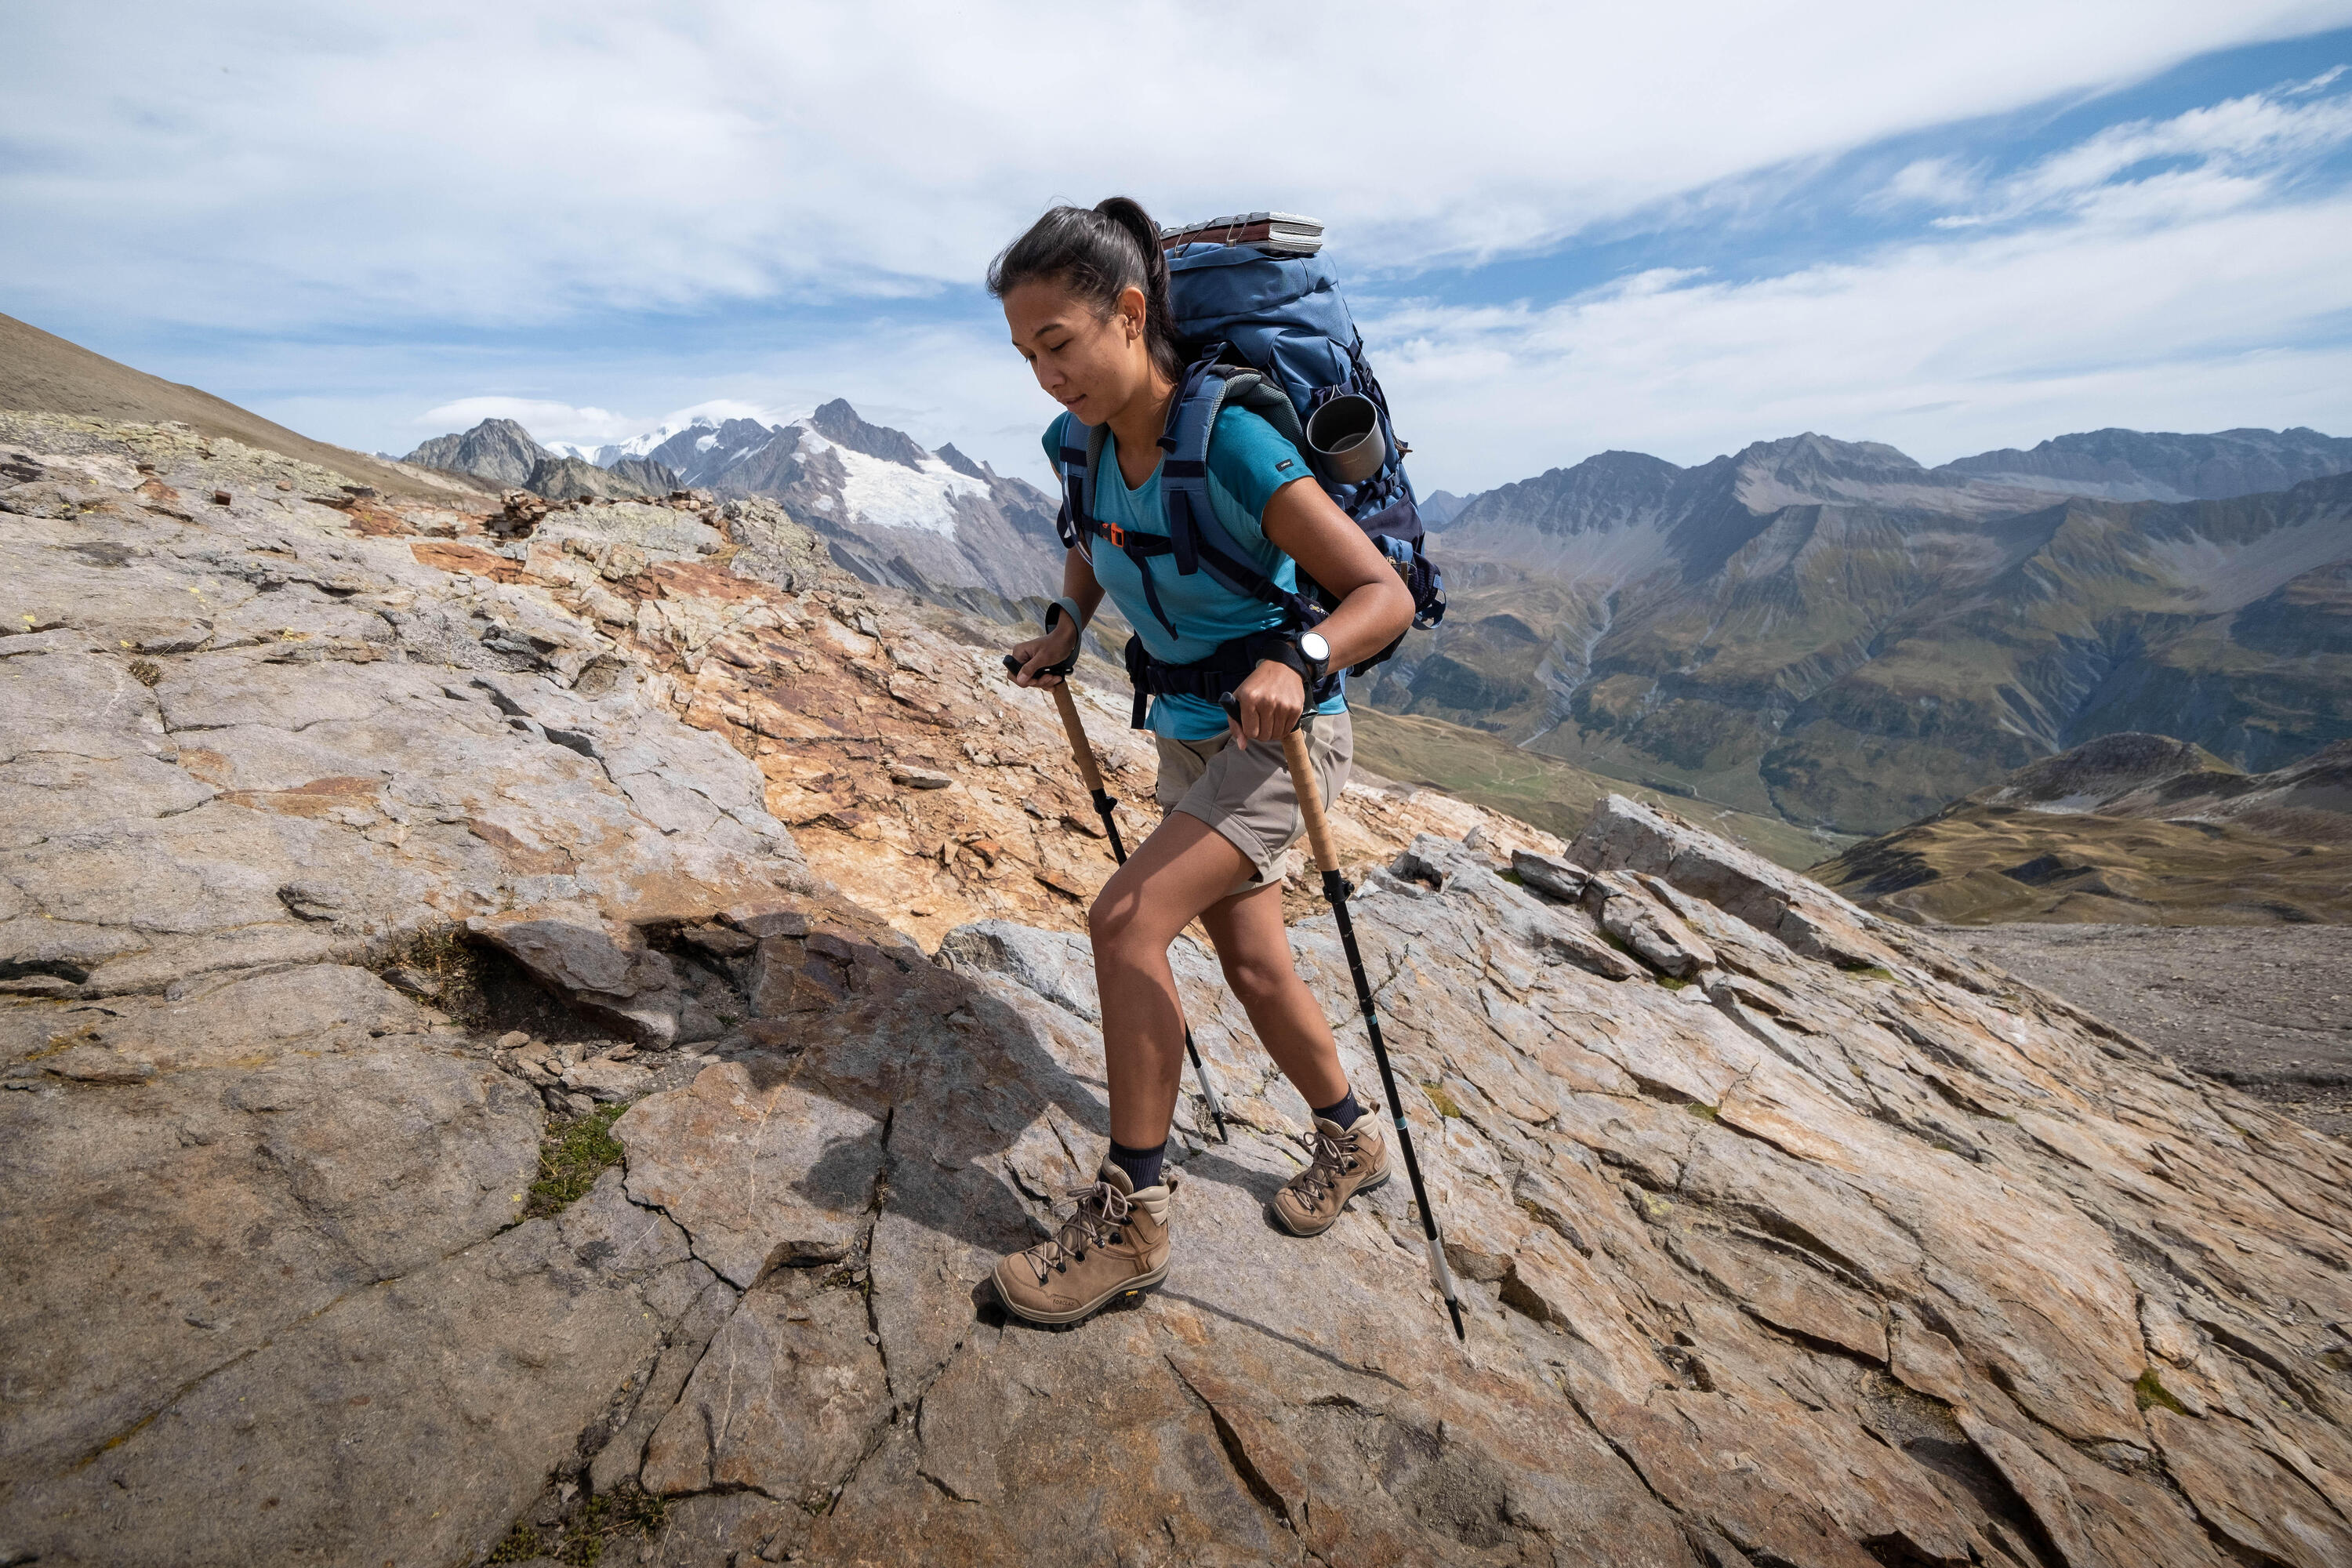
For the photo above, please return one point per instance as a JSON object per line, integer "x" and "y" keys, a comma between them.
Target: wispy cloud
{"x": 2188, "y": 298}
{"x": 2228, "y": 154}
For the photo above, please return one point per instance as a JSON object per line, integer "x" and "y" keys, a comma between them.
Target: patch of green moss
{"x": 1670, "y": 982}
{"x": 520, "y": 1544}
{"x": 2149, "y": 1392}
{"x": 1704, "y": 1112}
{"x": 570, "y": 1157}
{"x": 605, "y": 1518}
{"x": 1447, "y": 1104}
{"x": 1872, "y": 971}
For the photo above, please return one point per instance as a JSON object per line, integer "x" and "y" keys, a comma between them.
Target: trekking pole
{"x": 1334, "y": 891}
{"x": 1091, "y": 772}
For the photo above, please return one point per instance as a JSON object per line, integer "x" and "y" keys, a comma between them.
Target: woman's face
{"x": 1092, "y": 365}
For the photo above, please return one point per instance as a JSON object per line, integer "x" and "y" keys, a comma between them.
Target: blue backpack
{"x": 1272, "y": 335}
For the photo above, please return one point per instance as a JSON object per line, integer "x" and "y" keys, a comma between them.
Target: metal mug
{"x": 1345, "y": 439}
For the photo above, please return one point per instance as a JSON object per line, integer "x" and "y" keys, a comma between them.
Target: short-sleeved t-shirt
{"x": 1248, "y": 461}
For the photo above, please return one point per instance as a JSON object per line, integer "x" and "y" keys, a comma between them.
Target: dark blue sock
{"x": 1141, "y": 1165}
{"x": 1342, "y": 1112}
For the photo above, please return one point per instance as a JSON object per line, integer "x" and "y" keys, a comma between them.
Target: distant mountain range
{"x": 1834, "y": 633}
{"x": 503, "y": 452}
{"x": 1828, "y": 632}
{"x": 2111, "y": 465}
{"x": 890, "y": 510}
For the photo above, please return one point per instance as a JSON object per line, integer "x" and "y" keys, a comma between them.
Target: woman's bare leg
{"x": 1183, "y": 869}
{"x": 1254, "y": 947}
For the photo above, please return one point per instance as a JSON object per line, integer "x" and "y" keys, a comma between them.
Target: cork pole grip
{"x": 1310, "y": 800}
{"x": 1083, "y": 752}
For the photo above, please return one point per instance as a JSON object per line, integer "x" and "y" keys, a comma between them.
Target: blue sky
{"x": 1565, "y": 230}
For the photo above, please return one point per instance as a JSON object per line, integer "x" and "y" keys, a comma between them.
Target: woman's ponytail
{"x": 1158, "y": 318}
{"x": 1099, "y": 254}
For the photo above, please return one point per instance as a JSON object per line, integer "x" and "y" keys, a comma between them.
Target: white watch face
{"x": 1314, "y": 647}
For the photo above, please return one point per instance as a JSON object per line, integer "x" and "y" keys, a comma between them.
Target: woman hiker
{"x": 1085, "y": 295}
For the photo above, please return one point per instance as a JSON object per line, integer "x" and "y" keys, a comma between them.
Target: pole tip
{"x": 1459, "y": 1331}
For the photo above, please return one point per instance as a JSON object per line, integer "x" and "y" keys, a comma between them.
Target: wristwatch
{"x": 1317, "y": 653}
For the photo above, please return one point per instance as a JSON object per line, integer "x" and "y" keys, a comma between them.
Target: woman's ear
{"x": 1134, "y": 311}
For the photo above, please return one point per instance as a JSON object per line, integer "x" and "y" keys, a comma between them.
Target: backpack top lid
{"x": 1283, "y": 314}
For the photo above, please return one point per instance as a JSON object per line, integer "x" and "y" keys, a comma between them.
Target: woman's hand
{"x": 1052, "y": 649}
{"x": 1270, "y": 699}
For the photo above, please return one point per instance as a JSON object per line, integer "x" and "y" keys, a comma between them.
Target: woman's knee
{"x": 1258, "y": 978}
{"x": 1115, "y": 924}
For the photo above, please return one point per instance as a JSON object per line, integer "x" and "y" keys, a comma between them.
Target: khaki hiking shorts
{"x": 1246, "y": 794}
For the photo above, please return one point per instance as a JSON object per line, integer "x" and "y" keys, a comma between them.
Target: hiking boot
{"x": 1115, "y": 1245}
{"x": 1342, "y": 1164}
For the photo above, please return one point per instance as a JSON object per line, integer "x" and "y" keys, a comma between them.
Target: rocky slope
{"x": 345, "y": 841}
{"x": 2129, "y": 829}
{"x": 2267, "y": 1009}
{"x": 1830, "y": 632}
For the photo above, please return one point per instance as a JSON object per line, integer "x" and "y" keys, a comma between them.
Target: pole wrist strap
{"x": 1064, "y": 606}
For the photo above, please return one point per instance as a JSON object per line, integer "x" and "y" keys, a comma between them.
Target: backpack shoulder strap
{"x": 1199, "y": 542}
{"x": 1074, "y": 460}
{"x": 1270, "y": 403}
{"x": 1080, "y": 459}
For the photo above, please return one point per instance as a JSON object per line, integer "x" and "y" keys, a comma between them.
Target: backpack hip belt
{"x": 1210, "y": 678}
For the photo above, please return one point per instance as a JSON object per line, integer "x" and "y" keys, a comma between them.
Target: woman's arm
{"x": 1078, "y": 586}
{"x": 1375, "y": 606}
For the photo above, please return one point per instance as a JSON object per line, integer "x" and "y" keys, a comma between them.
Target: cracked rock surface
{"x": 1786, "y": 1236}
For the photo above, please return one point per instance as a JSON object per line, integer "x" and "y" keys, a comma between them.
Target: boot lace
{"x": 1327, "y": 1159}
{"x": 1102, "y": 1213}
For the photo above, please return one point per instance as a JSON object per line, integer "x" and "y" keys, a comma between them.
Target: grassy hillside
{"x": 42, "y": 373}
{"x": 1992, "y": 864}
{"x": 2133, "y": 829}
{"x": 1553, "y": 796}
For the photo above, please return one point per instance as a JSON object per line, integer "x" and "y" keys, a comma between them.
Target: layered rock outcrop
{"x": 345, "y": 841}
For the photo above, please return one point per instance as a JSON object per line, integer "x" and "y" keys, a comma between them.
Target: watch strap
{"x": 1287, "y": 654}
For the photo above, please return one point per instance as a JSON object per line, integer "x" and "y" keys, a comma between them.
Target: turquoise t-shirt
{"x": 1248, "y": 461}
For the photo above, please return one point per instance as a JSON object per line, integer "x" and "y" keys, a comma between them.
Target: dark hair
{"x": 1098, "y": 253}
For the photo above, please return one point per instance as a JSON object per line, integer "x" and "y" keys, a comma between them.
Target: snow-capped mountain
{"x": 892, "y": 511}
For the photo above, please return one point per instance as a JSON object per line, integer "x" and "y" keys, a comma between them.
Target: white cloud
{"x": 559, "y": 421}
{"x": 1927, "y": 182}
{"x": 259, "y": 164}
{"x": 2225, "y": 154}
{"x": 1942, "y": 348}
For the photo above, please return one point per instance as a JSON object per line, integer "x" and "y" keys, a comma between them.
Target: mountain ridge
{"x": 1833, "y": 633}
{"x": 2132, "y": 829}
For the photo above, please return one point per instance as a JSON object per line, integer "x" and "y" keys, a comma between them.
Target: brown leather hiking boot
{"x": 1343, "y": 1164}
{"x": 1115, "y": 1245}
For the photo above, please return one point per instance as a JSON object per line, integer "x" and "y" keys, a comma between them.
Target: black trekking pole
{"x": 1091, "y": 772}
{"x": 1335, "y": 891}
